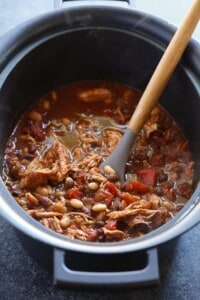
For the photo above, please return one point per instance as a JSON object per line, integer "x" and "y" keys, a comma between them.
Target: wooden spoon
{"x": 118, "y": 158}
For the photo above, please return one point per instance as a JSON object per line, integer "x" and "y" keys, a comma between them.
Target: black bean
{"x": 15, "y": 193}
{"x": 44, "y": 201}
{"x": 179, "y": 207}
{"x": 101, "y": 238}
{"x": 162, "y": 177}
{"x": 32, "y": 148}
{"x": 113, "y": 177}
{"x": 159, "y": 190}
{"x": 99, "y": 223}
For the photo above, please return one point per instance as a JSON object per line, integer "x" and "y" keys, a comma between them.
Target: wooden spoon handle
{"x": 165, "y": 67}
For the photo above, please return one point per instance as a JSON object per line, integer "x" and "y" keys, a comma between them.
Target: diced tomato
{"x": 108, "y": 198}
{"x": 92, "y": 235}
{"x": 136, "y": 186}
{"x": 148, "y": 176}
{"x": 112, "y": 225}
{"x": 74, "y": 193}
{"x": 81, "y": 179}
{"x": 111, "y": 187}
{"x": 130, "y": 198}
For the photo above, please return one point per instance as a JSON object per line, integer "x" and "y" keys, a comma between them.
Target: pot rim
{"x": 21, "y": 38}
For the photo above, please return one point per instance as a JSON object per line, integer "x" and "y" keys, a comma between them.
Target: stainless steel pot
{"x": 96, "y": 41}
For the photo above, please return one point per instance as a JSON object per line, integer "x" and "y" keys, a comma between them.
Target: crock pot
{"x": 96, "y": 41}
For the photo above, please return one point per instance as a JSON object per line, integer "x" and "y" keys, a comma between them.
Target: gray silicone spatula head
{"x": 118, "y": 158}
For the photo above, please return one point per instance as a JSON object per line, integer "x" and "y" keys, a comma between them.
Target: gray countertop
{"x": 23, "y": 278}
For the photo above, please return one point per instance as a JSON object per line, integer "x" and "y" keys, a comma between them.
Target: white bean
{"x": 46, "y": 104}
{"x": 76, "y": 203}
{"x": 59, "y": 207}
{"x": 93, "y": 186}
{"x": 65, "y": 222}
{"x": 42, "y": 191}
{"x": 109, "y": 170}
{"x": 35, "y": 116}
{"x": 54, "y": 95}
{"x": 98, "y": 207}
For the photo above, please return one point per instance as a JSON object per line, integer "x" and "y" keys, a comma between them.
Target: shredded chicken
{"x": 116, "y": 215}
{"x": 95, "y": 95}
{"x": 112, "y": 138}
{"x": 53, "y": 166}
{"x": 53, "y": 224}
{"x": 114, "y": 235}
{"x": 92, "y": 160}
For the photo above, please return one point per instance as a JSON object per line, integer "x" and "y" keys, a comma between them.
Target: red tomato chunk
{"x": 148, "y": 176}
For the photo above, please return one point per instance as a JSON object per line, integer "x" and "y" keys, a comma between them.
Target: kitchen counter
{"x": 22, "y": 278}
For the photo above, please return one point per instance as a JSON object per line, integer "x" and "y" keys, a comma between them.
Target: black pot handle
{"x": 58, "y": 3}
{"x": 63, "y": 275}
